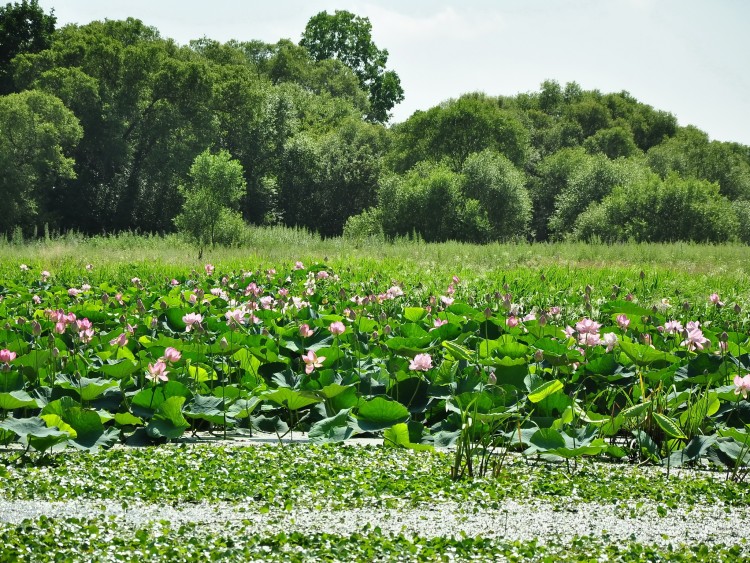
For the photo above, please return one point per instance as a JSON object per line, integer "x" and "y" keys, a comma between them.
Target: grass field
{"x": 583, "y": 432}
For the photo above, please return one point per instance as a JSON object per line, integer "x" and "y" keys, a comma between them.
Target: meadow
{"x": 552, "y": 375}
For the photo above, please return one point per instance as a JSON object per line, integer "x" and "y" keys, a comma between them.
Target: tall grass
{"x": 680, "y": 267}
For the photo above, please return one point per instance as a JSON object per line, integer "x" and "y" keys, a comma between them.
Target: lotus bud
{"x": 629, "y": 297}
{"x": 542, "y": 277}
{"x": 141, "y": 307}
{"x": 163, "y": 304}
{"x": 588, "y": 289}
{"x": 737, "y": 308}
{"x": 36, "y": 328}
{"x": 383, "y": 317}
{"x": 542, "y": 321}
{"x": 105, "y": 298}
{"x": 723, "y": 337}
{"x": 539, "y": 356}
{"x": 487, "y": 313}
{"x": 387, "y": 329}
{"x": 20, "y": 321}
{"x": 223, "y": 344}
{"x": 642, "y": 275}
{"x": 686, "y": 306}
{"x": 491, "y": 378}
{"x": 154, "y": 322}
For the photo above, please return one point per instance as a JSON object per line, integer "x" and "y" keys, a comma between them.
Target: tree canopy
{"x": 106, "y": 126}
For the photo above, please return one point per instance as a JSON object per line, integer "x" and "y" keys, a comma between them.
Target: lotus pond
{"x": 500, "y": 380}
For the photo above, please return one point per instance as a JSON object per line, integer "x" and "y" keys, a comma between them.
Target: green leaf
{"x": 457, "y": 351}
{"x": 90, "y": 433}
{"x": 87, "y": 389}
{"x": 546, "y": 439}
{"x": 379, "y": 413}
{"x": 35, "y": 432}
{"x": 635, "y": 410}
{"x": 643, "y": 355}
{"x": 398, "y": 436}
{"x": 127, "y": 419}
{"x": 332, "y": 429}
{"x": 168, "y": 421}
{"x": 669, "y": 426}
{"x": 545, "y": 390}
{"x": 292, "y": 398}
{"x": 16, "y": 400}
{"x": 414, "y": 314}
{"x": 119, "y": 369}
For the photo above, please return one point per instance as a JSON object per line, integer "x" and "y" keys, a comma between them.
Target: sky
{"x": 687, "y": 57}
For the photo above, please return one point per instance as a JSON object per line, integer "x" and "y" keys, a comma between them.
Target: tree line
{"x": 109, "y": 126}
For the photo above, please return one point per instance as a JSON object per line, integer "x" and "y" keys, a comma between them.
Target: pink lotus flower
{"x": 24, "y": 268}
{"x": 157, "y": 372}
{"x": 742, "y": 385}
{"x": 421, "y": 362}
{"x": 623, "y": 322}
{"x": 73, "y": 292}
{"x": 236, "y": 317}
{"x": 172, "y": 355}
{"x": 456, "y": 279}
{"x": 714, "y": 299}
{"x": 299, "y": 265}
{"x": 253, "y": 289}
{"x": 512, "y": 321}
{"x": 394, "y": 291}
{"x": 312, "y": 361}
{"x": 192, "y": 320}
{"x": 589, "y": 339}
{"x": 283, "y": 292}
{"x": 587, "y": 326}
{"x": 673, "y": 327}
{"x": 554, "y": 311}
{"x": 569, "y": 331}
{"x": 437, "y": 323}
{"x": 174, "y": 282}
{"x": 6, "y": 356}
{"x": 447, "y": 301}
{"x": 337, "y": 328}
{"x": 135, "y": 281}
{"x": 610, "y": 339}
{"x": 85, "y": 330}
{"x": 267, "y": 302}
{"x": 45, "y": 274}
{"x": 323, "y": 275}
{"x": 36, "y": 299}
{"x": 89, "y": 267}
{"x": 305, "y": 331}
{"x": 209, "y": 268}
{"x": 451, "y": 290}
{"x": 120, "y": 340}
{"x": 694, "y": 339}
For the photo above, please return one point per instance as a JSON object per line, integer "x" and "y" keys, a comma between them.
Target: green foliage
{"x": 215, "y": 189}
{"x": 498, "y": 187}
{"x": 367, "y": 225}
{"x": 347, "y": 38}
{"x": 687, "y": 210}
{"x": 615, "y": 142}
{"x": 456, "y": 129}
{"x": 588, "y": 183}
{"x": 37, "y": 135}
{"x": 24, "y": 28}
{"x": 428, "y": 200}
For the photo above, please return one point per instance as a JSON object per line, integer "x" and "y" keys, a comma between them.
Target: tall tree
{"x": 24, "y": 28}
{"x": 37, "y": 135}
{"x": 348, "y": 38}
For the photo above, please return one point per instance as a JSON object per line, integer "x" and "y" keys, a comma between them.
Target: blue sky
{"x": 688, "y": 57}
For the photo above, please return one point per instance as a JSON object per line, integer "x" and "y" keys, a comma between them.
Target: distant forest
{"x": 102, "y": 128}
